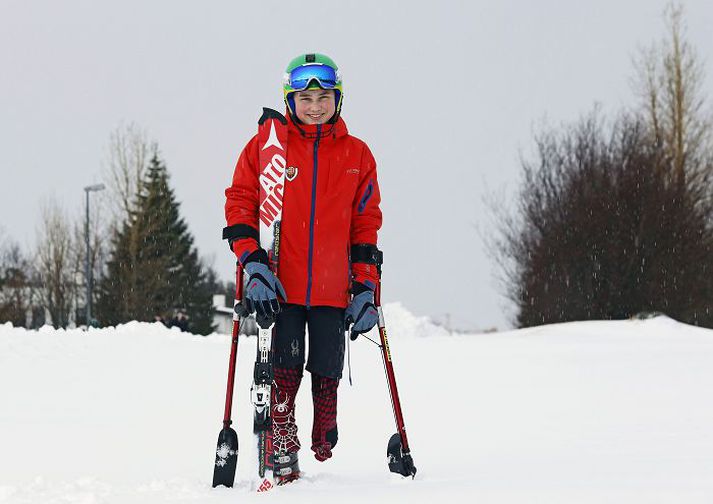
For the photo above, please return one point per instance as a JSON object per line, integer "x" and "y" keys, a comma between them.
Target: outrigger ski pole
{"x": 226, "y": 453}
{"x": 398, "y": 452}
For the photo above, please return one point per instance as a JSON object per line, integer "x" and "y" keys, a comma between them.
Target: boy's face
{"x": 314, "y": 106}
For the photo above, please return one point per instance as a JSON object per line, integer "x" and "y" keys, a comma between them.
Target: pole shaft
{"x": 233, "y": 350}
{"x": 390, "y": 375}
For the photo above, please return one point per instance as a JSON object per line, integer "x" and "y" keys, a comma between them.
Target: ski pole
{"x": 398, "y": 451}
{"x": 226, "y": 453}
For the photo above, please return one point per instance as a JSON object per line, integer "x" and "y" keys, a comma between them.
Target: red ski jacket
{"x": 331, "y": 202}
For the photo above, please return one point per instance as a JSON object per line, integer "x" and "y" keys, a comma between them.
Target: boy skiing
{"x": 327, "y": 244}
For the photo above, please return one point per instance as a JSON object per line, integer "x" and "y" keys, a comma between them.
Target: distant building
{"x": 223, "y": 318}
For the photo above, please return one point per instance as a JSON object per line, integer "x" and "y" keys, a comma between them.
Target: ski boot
{"x": 284, "y": 429}
{"x": 286, "y": 468}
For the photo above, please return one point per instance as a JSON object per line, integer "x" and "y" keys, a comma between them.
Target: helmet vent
{"x": 310, "y": 58}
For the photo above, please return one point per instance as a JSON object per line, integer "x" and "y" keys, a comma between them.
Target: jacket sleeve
{"x": 242, "y": 200}
{"x": 366, "y": 218}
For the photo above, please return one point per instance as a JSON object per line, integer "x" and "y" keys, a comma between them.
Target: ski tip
{"x": 268, "y": 484}
{"x": 265, "y": 486}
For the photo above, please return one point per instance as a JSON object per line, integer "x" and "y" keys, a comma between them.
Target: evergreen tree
{"x": 155, "y": 270}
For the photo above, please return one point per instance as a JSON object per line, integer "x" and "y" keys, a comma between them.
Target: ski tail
{"x": 272, "y": 141}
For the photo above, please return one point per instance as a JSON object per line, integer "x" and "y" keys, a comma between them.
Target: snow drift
{"x": 579, "y": 412}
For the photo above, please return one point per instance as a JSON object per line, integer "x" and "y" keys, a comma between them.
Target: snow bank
{"x": 401, "y": 323}
{"x": 579, "y": 412}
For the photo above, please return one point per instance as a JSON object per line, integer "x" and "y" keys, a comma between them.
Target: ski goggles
{"x": 300, "y": 78}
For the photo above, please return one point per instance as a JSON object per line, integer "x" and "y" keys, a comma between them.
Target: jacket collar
{"x": 327, "y": 132}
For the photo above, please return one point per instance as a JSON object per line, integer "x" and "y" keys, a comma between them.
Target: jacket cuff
{"x": 366, "y": 274}
{"x": 259, "y": 255}
{"x": 243, "y": 248}
{"x": 358, "y": 288}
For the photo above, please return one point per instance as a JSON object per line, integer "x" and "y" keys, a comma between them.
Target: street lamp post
{"x": 87, "y": 268}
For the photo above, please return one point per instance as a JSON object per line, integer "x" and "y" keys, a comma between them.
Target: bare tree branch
{"x": 56, "y": 263}
{"x": 129, "y": 153}
{"x": 670, "y": 83}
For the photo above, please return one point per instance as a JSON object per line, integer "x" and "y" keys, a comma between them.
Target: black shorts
{"x": 325, "y": 326}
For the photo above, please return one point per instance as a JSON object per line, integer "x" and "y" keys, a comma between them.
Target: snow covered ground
{"x": 588, "y": 412}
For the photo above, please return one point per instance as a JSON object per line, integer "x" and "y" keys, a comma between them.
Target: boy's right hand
{"x": 262, "y": 289}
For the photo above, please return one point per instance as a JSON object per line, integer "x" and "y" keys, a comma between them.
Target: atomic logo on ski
{"x": 272, "y": 140}
{"x": 273, "y": 162}
{"x": 271, "y": 183}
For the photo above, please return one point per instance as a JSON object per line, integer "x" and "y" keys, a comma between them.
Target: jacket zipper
{"x": 311, "y": 218}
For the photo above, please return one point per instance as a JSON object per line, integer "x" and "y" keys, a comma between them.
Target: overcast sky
{"x": 446, "y": 93}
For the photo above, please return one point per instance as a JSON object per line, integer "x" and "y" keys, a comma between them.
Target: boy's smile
{"x": 315, "y": 106}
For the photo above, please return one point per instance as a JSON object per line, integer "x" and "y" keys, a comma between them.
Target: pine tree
{"x": 155, "y": 270}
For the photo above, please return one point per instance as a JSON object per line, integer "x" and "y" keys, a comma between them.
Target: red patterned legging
{"x": 324, "y": 428}
{"x": 324, "y": 398}
{"x": 287, "y": 383}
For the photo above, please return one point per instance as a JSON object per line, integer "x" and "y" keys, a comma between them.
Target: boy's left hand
{"x": 361, "y": 311}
